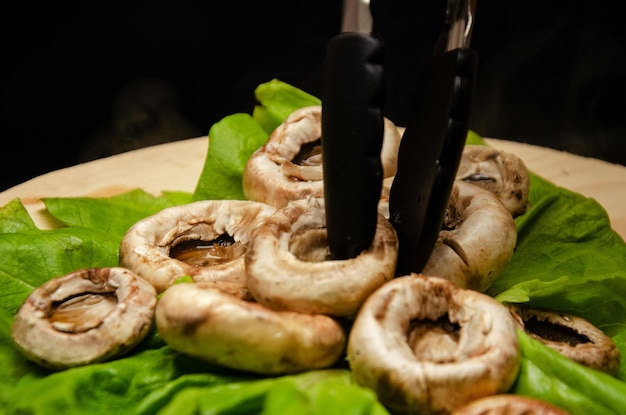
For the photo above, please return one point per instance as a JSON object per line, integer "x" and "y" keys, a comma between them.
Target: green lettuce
{"x": 567, "y": 258}
{"x": 234, "y": 138}
{"x": 276, "y": 101}
{"x": 546, "y": 374}
{"x": 577, "y": 269}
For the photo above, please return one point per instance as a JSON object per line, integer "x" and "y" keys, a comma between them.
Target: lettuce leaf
{"x": 117, "y": 387}
{"x": 233, "y": 139}
{"x": 113, "y": 215}
{"x": 579, "y": 269}
{"x": 276, "y": 101}
{"x": 548, "y": 375}
{"x": 159, "y": 380}
{"x": 316, "y": 392}
{"x": 567, "y": 258}
{"x": 93, "y": 231}
{"x": 14, "y": 218}
{"x": 30, "y": 258}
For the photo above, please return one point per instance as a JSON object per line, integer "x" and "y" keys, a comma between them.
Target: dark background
{"x": 81, "y": 82}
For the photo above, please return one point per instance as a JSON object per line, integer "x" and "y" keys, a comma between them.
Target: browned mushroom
{"x": 87, "y": 316}
{"x": 477, "y": 240}
{"x": 205, "y": 240}
{"x": 426, "y": 346}
{"x": 570, "y": 335}
{"x": 507, "y": 404}
{"x": 288, "y": 267}
{"x": 289, "y": 165}
{"x": 219, "y": 323}
{"x": 500, "y": 172}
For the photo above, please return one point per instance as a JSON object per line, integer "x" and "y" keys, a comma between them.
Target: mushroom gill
{"x": 200, "y": 253}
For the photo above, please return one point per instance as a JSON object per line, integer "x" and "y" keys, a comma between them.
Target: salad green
{"x": 568, "y": 258}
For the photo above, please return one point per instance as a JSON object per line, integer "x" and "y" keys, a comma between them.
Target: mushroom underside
{"x": 426, "y": 346}
{"x": 205, "y": 240}
{"x": 87, "y": 316}
{"x": 289, "y": 165}
{"x": 288, "y": 268}
{"x": 572, "y": 336}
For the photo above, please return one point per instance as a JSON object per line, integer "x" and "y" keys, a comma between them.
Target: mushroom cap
{"x": 500, "y": 172}
{"x": 570, "y": 335}
{"x": 508, "y": 404}
{"x": 146, "y": 247}
{"x": 273, "y": 176}
{"x": 477, "y": 240}
{"x": 87, "y": 316}
{"x": 426, "y": 346}
{"x": 287, "y": 265}
{"x": 219, "y": 325}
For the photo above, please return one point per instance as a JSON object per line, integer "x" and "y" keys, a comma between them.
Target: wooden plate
{"x": 177, "y": 166}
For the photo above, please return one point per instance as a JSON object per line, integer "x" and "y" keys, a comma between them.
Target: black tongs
{"x": 352, "y": 136}
{"x": 432, "y": 144}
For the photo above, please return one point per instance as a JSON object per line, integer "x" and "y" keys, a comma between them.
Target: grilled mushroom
{"x": 572, "y": 336}
{"x": 500, "y": 172}
{"x": 507, "y": 404}
{"x": 289, "y": 165}
{"x": 426, "y": 346}
{"x": 288, "y": 267}
{"x": 219, "y": 323}
{"x": 87, "y": 316}
{"x": 205, "y": 240}
{"x": 477, "y": 240}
